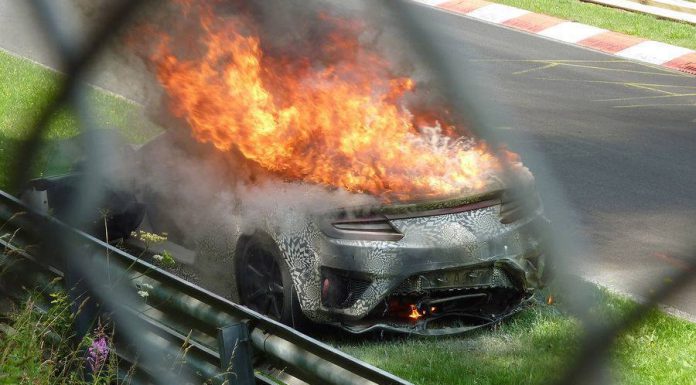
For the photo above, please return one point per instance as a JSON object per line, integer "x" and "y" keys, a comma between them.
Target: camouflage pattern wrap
{"x": 473, "y": 240}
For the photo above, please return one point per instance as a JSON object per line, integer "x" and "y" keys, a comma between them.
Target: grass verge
{"x": 38, "y": 347}
{"x": 636, "y": 24}
{"x": 26, "y": 86}
{"x": 536, "y": 345}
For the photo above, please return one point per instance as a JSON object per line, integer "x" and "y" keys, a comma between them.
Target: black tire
{"x": 264, "y": 282}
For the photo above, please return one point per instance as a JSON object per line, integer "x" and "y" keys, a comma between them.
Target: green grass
{"x": 536, "y": 345}
{"x": 39, "y": 347}
{"x": 645, "y": 26}
{"x": 25, "y": 87}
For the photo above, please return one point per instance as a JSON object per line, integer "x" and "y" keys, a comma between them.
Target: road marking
{"x": 581, "y": 64}
{"x": 550, "y": 65}
{"x": 497, "y": 13}
{"x": 646, "y": 97}
{"x": 657, "y": 105}
{"x": 571, "y": 32}
{"x": 640, "y": 85}
{"x": 654, "y": 52}
{"x": 667, "y": 74}
{"x": 645, "y": 87}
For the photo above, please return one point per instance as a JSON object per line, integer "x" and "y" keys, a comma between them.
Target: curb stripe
{"x": 611, "y": 42}
{"x": 653, "y": 52}
{"x": 497, "y": 13}
{"x": 686, "y": 63}
{"x": 571, "y": 32}
{"x": 464, "y": 6}
{"x": 618, "y": 44}
{"x": 533, "y": 22}
{"x": 432, "y": 3}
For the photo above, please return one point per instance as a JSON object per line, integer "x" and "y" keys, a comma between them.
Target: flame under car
{"x": 432, "y": 267}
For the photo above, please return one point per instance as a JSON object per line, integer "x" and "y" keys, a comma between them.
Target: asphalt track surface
{"x": 619, "y": 137}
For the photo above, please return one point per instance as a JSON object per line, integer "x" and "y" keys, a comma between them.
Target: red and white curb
{"x": 625, "y": 46}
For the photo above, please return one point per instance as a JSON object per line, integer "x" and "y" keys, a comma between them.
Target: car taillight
{"x": 368, "y": 226}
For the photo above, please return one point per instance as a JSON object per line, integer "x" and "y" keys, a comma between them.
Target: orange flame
{"x": 336, "y": 119}
{"x": 415, "y": 314}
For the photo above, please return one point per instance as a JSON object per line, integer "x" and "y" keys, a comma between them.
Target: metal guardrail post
{"x": 81, "y": 302}
{"x": 235, "y": 354}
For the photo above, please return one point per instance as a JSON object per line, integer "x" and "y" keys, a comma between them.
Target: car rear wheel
{"x": 264, "y": 282}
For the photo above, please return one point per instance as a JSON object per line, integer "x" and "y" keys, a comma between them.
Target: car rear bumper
{"x": 358, "y": 279}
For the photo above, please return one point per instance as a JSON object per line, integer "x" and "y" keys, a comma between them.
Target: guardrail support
{"x": 78, "y": 294}
{"x": 235, "y": 354}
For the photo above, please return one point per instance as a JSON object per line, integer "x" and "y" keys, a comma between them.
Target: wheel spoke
{"x": 256, "y": 271}
{"x": 256, "y": 294}
{"x": 276, "y": 288}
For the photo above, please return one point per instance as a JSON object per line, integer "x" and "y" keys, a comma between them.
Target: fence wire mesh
{"x": 461, "y": 91}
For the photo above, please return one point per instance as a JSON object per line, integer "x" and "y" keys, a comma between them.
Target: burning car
{"x": 443, "y": 240}
{"x": 435, "y": 266}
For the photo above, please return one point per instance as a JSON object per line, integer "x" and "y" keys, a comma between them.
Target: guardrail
{"x": 223, "y": 342}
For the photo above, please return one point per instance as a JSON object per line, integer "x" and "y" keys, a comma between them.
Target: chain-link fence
{"x": 460, "y": 91}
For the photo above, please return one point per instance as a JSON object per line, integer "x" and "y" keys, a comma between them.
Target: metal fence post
{"x": 235, "y": 354}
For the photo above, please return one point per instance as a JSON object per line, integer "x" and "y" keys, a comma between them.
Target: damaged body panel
{"x": 460, "y": 263}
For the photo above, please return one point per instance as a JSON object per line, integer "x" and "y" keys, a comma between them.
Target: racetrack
{"x": 618, "y": 136}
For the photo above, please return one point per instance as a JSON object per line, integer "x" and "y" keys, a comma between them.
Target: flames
{"x": 336, "y": 116}
{"x": 414, "y": 314}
